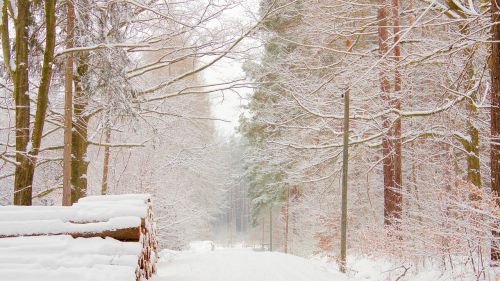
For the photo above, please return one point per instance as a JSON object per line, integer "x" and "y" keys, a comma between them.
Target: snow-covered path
{"x": 241, "y": 265}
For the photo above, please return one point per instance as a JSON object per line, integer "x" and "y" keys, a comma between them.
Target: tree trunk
{"x": 43, "y": 90}
{"x": 262, "y": 234}
{"x": 230, "y": 218}
{"x": 392, "y": 196}
{"x": 79, "y": 143}
{"x": 396, "y": 103}
{"x": 25, "y": 155}
{"x": 25, "y": 172}
{"x": 22, "y": 181}
{"x": 105, "y": 164}
{"x": 287, "y": 215}
{"x": 472, "y": 148}
{"x": 271, "y": 228}
{"x": 68, "y": 105}
{"x": 243, "y": 211}
{"x": 495, "y": 114}
{"x": 471, "y": 145}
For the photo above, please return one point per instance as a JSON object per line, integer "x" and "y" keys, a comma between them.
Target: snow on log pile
{"x": 99, "y": 238}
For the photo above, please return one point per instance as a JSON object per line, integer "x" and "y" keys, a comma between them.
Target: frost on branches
{"x": 418, "y": 75}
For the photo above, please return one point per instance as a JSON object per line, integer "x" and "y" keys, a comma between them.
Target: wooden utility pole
{"x": 271, "y": 228}
{"x": 345, "y": 162}
{"x": 68, "y": 104}
{"x": 495, "y": 116}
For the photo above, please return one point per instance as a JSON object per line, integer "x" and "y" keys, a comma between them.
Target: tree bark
{"x": 27, "y": 156}
{"x": 396, "y": 103}
{"x": 68, "y": 105}
{"x": 262, "y": 233}
{"x": 271, "y": 228}
{"x": 43, "y": 90}
{"x": 79, "y": 143}
{"x": 495, "y": 114}
{"x": 22, "y": 185}
{"x": 471, "y": 145}
{"x": 287, "y": 215}
{"x": 105, "y": 164}
{"x": 392, "y": 196}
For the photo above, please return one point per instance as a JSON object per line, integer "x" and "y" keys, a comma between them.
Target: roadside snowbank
{"x": 364, "y": 268}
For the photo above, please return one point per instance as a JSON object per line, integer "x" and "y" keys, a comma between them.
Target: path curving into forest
{"x": 241, "y": 265}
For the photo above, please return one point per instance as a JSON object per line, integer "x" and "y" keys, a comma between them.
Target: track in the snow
{"x": 241, "y": 265}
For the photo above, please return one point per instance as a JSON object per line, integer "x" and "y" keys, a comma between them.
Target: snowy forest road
{"x": 241, "y": 265}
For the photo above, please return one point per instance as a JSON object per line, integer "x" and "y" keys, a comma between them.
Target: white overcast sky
{"x": 227, "y": 106}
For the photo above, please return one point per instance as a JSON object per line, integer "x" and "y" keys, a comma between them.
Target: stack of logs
{"x": 126, "y": 218}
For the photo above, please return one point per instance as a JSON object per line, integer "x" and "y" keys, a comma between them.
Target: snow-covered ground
{"x": 240, "y": 265}
{"x": 200, "y": 263}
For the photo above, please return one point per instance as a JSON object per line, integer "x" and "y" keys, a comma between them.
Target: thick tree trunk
{"x": 43, "y": 90}
{"x": 472, "y": 148}
{"x": 25, "y": 172}
{"x": 68, "y": 105}
{"x": 22, "y": 181}
{"x": 495, "y": 113}
{"x": 396, "y": 103}
{"x": 79, "y": 143}
{"x": 471, "y": 145}
{"x": 392, "y": 196}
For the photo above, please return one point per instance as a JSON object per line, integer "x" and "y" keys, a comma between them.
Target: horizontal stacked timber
{"x": 148, "y": 257}
{"x": 125, "y": 219}
{"x": 121, "y": 228}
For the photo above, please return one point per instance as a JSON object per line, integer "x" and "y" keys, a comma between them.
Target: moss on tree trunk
{"x": 79, "y": 142}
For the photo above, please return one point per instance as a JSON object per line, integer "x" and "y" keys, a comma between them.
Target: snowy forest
{"x": 269, "y": 139}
